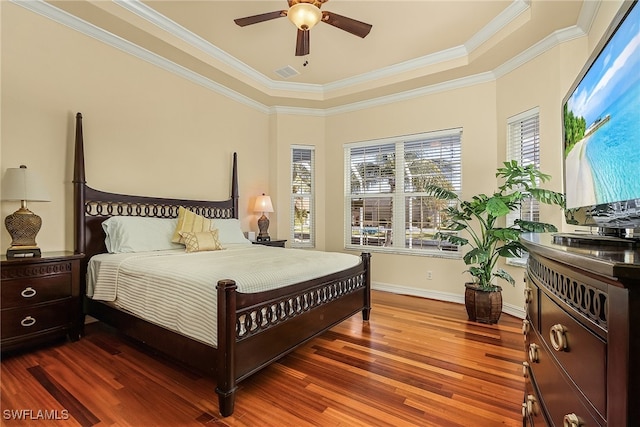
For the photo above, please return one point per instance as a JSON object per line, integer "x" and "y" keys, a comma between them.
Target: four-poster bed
{"x": 253, "y": 329}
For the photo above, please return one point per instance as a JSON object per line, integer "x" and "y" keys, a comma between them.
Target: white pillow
{"x": 229, "y": 231}
{"x": 139, "y": 234}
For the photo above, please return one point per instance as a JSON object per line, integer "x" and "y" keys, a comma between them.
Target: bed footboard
{"x": 267, "y": 329}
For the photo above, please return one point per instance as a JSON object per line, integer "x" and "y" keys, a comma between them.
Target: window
{"x": 386, "y": 206}
{"x": 302, "y": 200}
{"x": 523, "y": 145}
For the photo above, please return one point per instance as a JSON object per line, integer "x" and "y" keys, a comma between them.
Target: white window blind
{"x": 386, "y": 206}
{"x": 523, "y": 145}
{"x": 302, "y": 197}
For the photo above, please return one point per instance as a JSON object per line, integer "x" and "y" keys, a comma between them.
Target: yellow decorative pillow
{"x": 201, "y": 241}
{"x": 189, "y": 221}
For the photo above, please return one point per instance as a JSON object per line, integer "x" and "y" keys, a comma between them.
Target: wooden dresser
{"x": 582, "y": 333}
{"x": 40, "y": 299}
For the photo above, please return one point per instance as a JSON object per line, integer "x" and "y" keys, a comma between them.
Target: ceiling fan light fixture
{"x": 304, "y": 15}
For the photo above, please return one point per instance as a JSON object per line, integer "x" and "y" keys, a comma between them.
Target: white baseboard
{"x": 440, "y": 296}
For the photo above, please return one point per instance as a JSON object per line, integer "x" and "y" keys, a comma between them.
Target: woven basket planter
{"x": 482, "y": 306}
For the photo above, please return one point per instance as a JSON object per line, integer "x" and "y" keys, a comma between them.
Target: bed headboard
{"x": 92, "y": 207}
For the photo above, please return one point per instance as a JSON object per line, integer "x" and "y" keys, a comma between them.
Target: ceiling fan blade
{"x": 349, "y": 25}
{"x": 260, "y": 18}
{"x": 302, "y": 43}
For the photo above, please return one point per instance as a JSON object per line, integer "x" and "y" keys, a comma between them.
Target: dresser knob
{"x": 529, "y": 408}
{"x": 528, "y": 295}
{"x": 533, "y": 353}
{"x": 558, "y": 337}
{"x": 525, "y": 369}
{"x": 28, "y": 292}
{"x": 28, "y": 321}
{"x": 572, "y": 420}
{"x": 526, "y": 326}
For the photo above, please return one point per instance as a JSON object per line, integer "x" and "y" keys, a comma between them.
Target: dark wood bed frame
{"x": 255, "y": 329}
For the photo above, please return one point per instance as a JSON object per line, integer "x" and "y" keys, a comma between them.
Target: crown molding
{"x": 51, "y": 12}
{"x": 586, "y": 18}
{"x": 513, "y": 11}
{"x": 505, "y": 17}
{"x": 264, "y": 83}
{"x": 414, "y": 93}
{"x": 552, "y": 40}
{"x": 587, "y": 15}
{"x": 177, "y": 30}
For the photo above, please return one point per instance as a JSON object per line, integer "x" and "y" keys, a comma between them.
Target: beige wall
{"x": 471, "y": 108}
{"x": 302, "y": 130}
{"x": 148, "y": 131}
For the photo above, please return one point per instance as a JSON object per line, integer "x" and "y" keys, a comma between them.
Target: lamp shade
{"x": 304, "y": 15}
{"x": 263, "y": 204}
{"x": 24, "y": 184}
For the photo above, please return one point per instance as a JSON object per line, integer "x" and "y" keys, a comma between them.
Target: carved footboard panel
{"x": 270, "y": 325}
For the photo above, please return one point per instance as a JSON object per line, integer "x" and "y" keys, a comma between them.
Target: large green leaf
{"x": 547, "y": 196}
{"x": 451, "y": 238}
{"x": 506, "y": 234}
{"x": 476, "y": 256}
{"x": 496, "y": 207}
{"x": 535, "y": 227}
{"x": 512, "y": 249}
{"x": 504, "y": 275}
{"x": 478, "y": 273}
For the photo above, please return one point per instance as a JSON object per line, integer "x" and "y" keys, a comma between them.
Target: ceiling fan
{"x": 305, "y": 14}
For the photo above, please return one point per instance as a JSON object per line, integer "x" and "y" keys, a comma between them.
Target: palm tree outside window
{"x": 386, "y": 203}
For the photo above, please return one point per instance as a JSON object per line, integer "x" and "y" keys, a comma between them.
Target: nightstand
{"x": 277, "y": 243}
{"x": 40, "y": 299}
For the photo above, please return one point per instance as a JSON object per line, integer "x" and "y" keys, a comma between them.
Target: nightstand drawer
{"x": 34, "y": 290}
{"x": 27, "y": 320}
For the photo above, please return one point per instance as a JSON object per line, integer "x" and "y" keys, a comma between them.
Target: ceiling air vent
{"x": 286, "y": 72}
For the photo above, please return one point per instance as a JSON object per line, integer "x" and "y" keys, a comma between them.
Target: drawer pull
{"x": 526, "y": 326}
{"x": 28, "y": 292}
{"x": 529, "y": 408}
{"x": 28, "y": 321}
{"x": 533, "y": 353}
{"x": 528, "y": 295}
{"x": 572, "y": 420}
{"x": 525, "y": 369}
{"x": 558, "y": 337}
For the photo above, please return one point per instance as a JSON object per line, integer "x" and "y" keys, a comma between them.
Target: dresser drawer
{"x": 583, "y": 356}
{"x": 556, "y": 392}
{"x": 34, "y": 290}
{"x": 27, "y": 320}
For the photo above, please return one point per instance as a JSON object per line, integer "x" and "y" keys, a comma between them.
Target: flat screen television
{"x": 601, "y": 117}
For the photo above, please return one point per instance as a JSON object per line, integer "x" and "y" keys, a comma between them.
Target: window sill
{"x": 517, "y": 262}
{"x": 403, "y": 251}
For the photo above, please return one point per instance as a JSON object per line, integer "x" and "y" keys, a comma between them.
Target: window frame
{"x": 398, "y": 196}
{"x": 517, "y": 150}
{"x": 311, "y": 242}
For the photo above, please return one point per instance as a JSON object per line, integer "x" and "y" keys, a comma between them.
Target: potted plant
{"x": 483, "y": 218}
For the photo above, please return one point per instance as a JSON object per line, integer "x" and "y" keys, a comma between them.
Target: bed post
{"x": 79, "y": 182}
{"x": 225, "y": 365}
{"x": 234, "y": 185}
{"x": 366, "y": 310}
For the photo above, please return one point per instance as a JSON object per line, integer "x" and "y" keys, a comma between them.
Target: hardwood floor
{"x": 417, "y": 363}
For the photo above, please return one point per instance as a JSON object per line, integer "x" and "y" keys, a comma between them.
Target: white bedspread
{"x": 177, "y": 290}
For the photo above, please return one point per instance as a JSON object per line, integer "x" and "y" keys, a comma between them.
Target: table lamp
{"x": 23, "y": 225}
{"x": 263, "y": 204}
